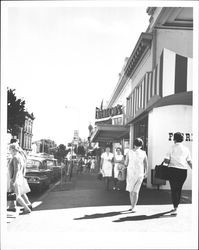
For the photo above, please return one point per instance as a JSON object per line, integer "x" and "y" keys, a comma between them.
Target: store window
{"x": 118, "y": 121}
{"x": 141, "y": 130}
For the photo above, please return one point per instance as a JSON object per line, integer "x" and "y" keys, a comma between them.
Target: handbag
{"x": 11, "y": 196}
{"x": 162, "y": 171}
{"x": 121, "y": 174}
{"x": 100, "y": 175}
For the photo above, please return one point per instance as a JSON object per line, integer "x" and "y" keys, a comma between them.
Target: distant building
{"x": 25, "y": 134}
{"x": 43, "y": 146}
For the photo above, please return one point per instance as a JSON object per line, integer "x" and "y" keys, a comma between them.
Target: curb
{"x": 43, "y": 196}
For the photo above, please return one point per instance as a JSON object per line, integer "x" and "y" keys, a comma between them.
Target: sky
{"x": 64, "y": 60}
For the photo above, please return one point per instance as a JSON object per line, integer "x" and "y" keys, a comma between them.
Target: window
{"x": 33, "y": 164}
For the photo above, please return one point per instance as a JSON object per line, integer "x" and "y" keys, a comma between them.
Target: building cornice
{"x": 142, "y": 45}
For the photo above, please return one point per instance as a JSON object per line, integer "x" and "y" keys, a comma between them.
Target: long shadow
{"x": 103, "y": 215}
{"x": 87, "y": 191}
{"x": 145, "y": 217}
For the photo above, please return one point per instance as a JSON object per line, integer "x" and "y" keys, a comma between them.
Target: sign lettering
{"x": 99, "y": 114}
{"x": 187, "y": 136}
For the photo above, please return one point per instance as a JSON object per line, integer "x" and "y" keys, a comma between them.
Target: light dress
{"x": 135, "y": 170}
{"x": 117, "y": 165}
{"x": 92, "y": 164}
{"x": 20, "y": 186}
{"x": 107, "y": 166}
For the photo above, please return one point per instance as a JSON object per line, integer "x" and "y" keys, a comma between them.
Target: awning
{"x": 109, "y": 133}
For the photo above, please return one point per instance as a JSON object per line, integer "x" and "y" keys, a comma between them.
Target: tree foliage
{"x": 81, "y": 150}
{"x": 15, "y": 112}
{"x": 61, "y": 152}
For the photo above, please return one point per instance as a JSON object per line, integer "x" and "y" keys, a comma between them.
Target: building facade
{"x": 43, "y": 146}
{"x": 155, "y": 86}
{"x": 26, "y": 133}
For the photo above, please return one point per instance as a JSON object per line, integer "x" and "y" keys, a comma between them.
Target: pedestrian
{"x": 88, "y": 165}
{"x": 12, "y": 206}
{"x": 65, "y": 169}
{"x": 92, "y": 164}
{"x": 69, "y": 165}
{"x": 178, "y": 159}
{"x": 137, "y": 166}
{"x": 106, "y": 166}
{"x": 81, "y": 163}
{"x": 118, "y": 166}
{"x": 18, "y": 183}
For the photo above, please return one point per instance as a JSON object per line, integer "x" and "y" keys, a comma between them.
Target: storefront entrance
{"x": 141, "y": 130}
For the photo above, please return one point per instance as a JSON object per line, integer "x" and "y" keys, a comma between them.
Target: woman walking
{"x": 118, "y": 166}
{"x": 16, "y": 168}
{"x": 26, "y": 188}
{"x": 93, "y": 164}
{"x": 137, "y": 166}
{"x": 106, "y": 166}
{"x": 178, "y": 159}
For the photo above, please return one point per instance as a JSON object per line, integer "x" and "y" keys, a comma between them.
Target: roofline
{"x": 143, "y": 43}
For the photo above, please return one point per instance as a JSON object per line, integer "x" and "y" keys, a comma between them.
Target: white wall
{"x": 162, "y": 121}
{"x": 179, "y": 41}
{"x": 125, "y": 92}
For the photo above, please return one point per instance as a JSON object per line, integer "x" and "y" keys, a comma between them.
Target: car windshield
{"x": 33, "y": 164}
{"x": 50, "y": 163}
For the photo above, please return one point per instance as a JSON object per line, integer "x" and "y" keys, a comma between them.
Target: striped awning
{"x": 171, "y": 76}
{"x": 176, "y": 73}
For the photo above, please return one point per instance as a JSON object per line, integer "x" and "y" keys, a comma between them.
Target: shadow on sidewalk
{"x": 103, "y": 215}
{"x": 146, "y": 217}
{"x": 86, "y": 191}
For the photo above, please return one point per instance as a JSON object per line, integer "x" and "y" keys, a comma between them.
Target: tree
{"x": 81, "y": 150}
{"x": 61, "y": 152}
{"x": 15, "y": 112}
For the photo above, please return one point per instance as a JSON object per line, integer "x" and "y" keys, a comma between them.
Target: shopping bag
{"x": 162, "y": 171}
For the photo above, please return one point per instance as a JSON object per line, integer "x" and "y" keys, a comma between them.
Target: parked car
{"x": 52, "y": 165}
{"x": 37, "y": 174}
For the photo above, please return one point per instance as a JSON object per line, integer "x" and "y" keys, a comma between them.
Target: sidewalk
{"x": 83, "y": 205}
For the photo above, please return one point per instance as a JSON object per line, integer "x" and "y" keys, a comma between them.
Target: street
{"x": 83, "y": 205}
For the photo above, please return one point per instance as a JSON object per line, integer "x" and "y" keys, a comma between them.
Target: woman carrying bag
{"x": 178, "y": 159}
{"x": 18, "y": 181}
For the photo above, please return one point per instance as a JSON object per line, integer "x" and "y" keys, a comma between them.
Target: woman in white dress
{"x": 16, "y": 167}
{"x": 137, "y": 166}
{"x": 106, "y": 166}
{"x": 118, "y": 165}
{"x": 92, "y": 164}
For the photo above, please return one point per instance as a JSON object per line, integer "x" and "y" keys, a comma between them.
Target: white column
{"x": 131, "y": 136}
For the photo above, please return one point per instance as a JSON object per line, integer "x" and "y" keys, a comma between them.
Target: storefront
{"x": 160, "y": 106}
{"x": 155, "y": 87}
{"x": 111, "y": 135}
